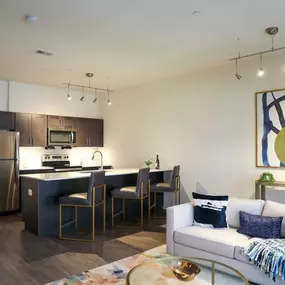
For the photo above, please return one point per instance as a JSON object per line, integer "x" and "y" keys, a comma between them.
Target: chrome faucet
{"x": 98, "y": 151}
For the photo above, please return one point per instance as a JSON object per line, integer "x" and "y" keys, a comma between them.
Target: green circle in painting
{"x": 279, "y": 146}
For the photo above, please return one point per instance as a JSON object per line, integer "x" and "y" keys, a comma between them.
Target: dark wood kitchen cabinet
{"x": 54, "y": 122}
{"x": 32, "y": 128}
{"x": 39, "y": 130}
{"x": 89, "y": 132}
{"x": 96, "y": 133}
{"x": 82, "y": 138}
{"x": 7, "y": 121}
{"x": 69, "y": 123}
{"x": 59, "y": 122}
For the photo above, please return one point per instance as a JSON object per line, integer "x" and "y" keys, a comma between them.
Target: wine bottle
{"x": 157, "y": 166}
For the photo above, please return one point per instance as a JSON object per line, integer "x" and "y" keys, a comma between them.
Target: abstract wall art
{"x": 270, "y": 128}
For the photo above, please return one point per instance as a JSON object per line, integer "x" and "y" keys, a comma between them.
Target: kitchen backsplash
{"x": 31, "y": 156}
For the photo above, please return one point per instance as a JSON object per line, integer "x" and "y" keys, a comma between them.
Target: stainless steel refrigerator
{"x": 9, "y": 171}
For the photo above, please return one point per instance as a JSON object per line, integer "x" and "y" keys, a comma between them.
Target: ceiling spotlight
{"x": 108, "y": 100}
{"x": 68, "y": 92}
{"x": 260, "y": 71}
{"x": 238, "y": 76}
{"x": 82, "y": 97}
{"x": 95, "y": 99}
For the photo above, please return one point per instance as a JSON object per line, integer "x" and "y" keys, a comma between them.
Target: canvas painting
{"x": 270, "y": 128}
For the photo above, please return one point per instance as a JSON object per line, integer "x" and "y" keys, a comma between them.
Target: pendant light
{"x": 95, "y": 99}
{"x": 260, "y": 71}
{"x": 82, "y": 97}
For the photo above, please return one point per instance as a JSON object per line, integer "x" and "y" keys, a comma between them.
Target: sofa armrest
{"x": 177, "y": 217}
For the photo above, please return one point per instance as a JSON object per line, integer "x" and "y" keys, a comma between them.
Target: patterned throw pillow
{"x": 260, "y": 226}
{"x": 210, "y": 210}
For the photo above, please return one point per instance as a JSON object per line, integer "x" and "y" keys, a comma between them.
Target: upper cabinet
{"x": 96, "y": 137}
{"x": 7, "y": 121}
{"x": 89, "y": 132}
{"x": 32, "y": 128}
{"x": 59, "y": 122}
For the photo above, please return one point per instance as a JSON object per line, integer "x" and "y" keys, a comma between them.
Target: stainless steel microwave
{"x": 61, "y": 137}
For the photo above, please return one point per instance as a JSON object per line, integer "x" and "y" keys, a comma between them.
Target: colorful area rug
{"x": 116, "y": 272}
{"x": 112, "y": 273}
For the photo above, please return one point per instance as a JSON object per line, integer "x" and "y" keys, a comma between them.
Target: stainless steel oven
{"x": 61, "y": 137}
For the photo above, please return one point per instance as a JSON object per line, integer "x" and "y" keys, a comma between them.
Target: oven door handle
{"x": 67, "y": 169}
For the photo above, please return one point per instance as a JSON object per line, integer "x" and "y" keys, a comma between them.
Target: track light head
{"x": 238, "y": 76}
{"x": 260, "y": 72}
{"x": 82, "y": 98}
{"x": 69, "y": 97}
{"x": 109, "y": 102}
{"x": 95, "y": 100}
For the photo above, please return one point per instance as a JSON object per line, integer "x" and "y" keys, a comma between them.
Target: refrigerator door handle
{"x": 16, "y": 146}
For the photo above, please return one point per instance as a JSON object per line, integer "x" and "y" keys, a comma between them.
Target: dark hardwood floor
{"x": 31, "y": 260}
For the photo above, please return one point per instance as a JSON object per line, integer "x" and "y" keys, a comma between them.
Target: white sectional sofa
{"x": 223, "y": 245}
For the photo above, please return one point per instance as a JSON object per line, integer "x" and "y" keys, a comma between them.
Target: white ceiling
{"x": 130, "y": 41}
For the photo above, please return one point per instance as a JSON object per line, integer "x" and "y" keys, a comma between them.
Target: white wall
{"x": 48, "y": 100}
{"x": 205, "y": 122}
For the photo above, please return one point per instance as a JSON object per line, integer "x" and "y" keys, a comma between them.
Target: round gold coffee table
{"x": 159, "y": 272}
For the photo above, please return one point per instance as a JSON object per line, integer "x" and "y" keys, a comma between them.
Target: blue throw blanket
{"x": 269, "y": 256}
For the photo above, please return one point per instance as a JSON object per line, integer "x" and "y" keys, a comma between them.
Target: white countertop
{"x": 77, "y": 175}
{"x": 36, "y": 168}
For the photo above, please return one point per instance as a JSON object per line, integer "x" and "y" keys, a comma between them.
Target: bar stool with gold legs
{"x": 139, "y": 192}
{"x": 172, "y": 187}
{"x": 95, "y": 197}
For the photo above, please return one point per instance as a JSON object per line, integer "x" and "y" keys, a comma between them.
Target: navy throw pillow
{"x": 260, "y": 226}
{"x": 210, "y": 210}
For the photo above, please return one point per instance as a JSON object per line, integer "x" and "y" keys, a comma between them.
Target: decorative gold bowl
{"x": 185, "y": 270}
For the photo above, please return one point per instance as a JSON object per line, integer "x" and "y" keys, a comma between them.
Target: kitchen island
{"x": 40, "y": 193}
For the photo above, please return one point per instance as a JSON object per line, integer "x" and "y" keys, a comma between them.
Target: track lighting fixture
{"x": 82, "y": 97}
{"x": 260, "y": 71}
{"x": 271, "y": 31}
{"x": 238, "y": 76}
{"x": 89, "y": 75}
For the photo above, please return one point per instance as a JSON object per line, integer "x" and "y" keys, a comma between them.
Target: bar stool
{"x": 172, "y": 187}
{"x": 139, "y": 192}
{"x": 95, "y": 197}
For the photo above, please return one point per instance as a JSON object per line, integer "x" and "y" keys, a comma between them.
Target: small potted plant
{"x": 148, "y": 163}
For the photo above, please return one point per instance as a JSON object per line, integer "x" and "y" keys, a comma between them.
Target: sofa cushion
{"x": 238, "y": 254}
{"x": 274, "y": 209}
{"x": 217, "y": 241}
{"x": 210, "y": 210}
{"x": 260, "y": 226}
{"x": 235, "y": 205}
